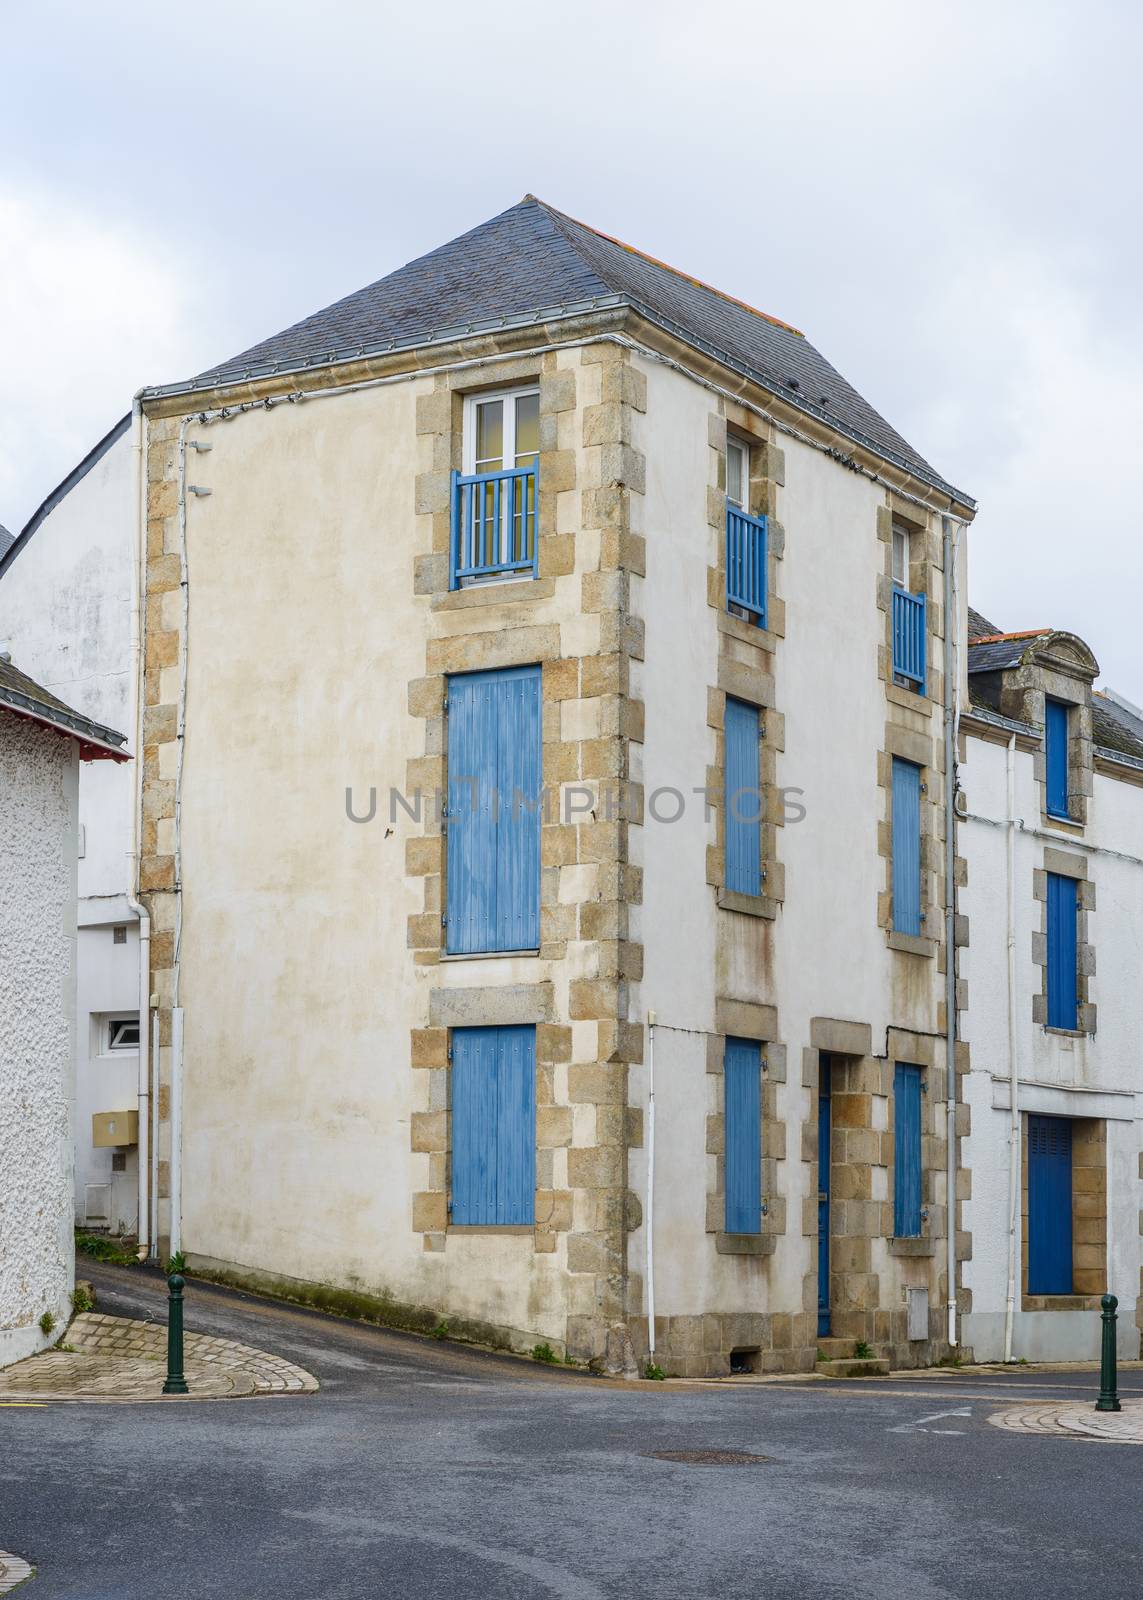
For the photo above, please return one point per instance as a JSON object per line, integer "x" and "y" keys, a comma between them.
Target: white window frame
{"x": 471, "y": 401}
{"x": 900, "y": 531}
{"x": 112, "y": 1024}
{"x": 733, "y": 442}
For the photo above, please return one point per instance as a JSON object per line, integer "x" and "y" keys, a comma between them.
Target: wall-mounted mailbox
{"x": 114, "y": 1128}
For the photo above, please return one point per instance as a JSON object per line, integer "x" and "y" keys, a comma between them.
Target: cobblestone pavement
{"x": 1065, "y": 1419}
{"x": 12, "y": 1571}
{"x": 120, "y": 1359}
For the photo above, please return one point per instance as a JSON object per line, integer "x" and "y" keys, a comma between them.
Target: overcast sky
{"x": 944, "y": 197}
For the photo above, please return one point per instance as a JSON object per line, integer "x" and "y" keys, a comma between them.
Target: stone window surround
{"x": 873, "y": 1076}
{"x": 924, "y": 752}
{"x": 1077, "y": 697}
{"x": 1066, "y": 864}
{"x": 740, "y": 1019}
{"x": 925, "y": 577}
{"x": 1089, "y": 1219}
{"x": 745, "y": 653}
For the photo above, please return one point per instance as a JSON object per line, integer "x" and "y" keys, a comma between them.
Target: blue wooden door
{"x": 493, "y": 1126}
{"x": 1049, "y": 1205}
{"x": 824, "y": 1157}
{"x": 494, "y": 797}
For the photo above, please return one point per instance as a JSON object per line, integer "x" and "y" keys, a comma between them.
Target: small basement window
{"x": 123, "y": 1033}
{"x": 743, "y": 1361}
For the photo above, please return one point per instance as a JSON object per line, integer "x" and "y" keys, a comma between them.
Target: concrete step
{"x": 871, "y": 1367}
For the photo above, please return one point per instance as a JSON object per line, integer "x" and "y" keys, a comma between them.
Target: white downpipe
{"x": 950, "y": 529}
{"x": 650, "y": 1217}
{"x": 176, "y": 1130}
{"x": 1013, "y": 1064}
{"x": 135, "y": 679}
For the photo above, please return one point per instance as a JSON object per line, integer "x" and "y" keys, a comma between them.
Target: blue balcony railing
{"x": 746, "y": 563}
{"x": 494, "y": 525}
{"x": 909, "y": 637}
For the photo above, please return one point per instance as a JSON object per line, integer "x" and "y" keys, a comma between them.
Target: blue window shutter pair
{"x": 906, "y": 803}
{"x": 1063, "y": 995}
{"x": 907, "y": 1152}
{"x": 742, "y": 1122}
{"x": 494, "y": 799}
{"x": 1056, "y": 757}
{"x": 494, "y": 1125}
{"x": 1049, "y": 1205}
{"x": 742, "y": 732}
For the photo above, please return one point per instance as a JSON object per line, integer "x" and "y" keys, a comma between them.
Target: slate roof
{"x": 979, "y": 627}
{"x": 26, "y": 698}
{"x": 7, "y": 540}
{"x": 1114, "y": 727}
{"x": 998, "y": 651}
{"x": 533, "y": 263}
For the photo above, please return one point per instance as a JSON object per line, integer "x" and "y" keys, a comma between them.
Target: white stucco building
{"x": 42, "y": 742}
{"x": 1052, "y": 778}
{"x": 65, "y": 604}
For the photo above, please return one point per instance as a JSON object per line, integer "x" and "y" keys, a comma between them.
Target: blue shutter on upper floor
{"x": 1049, "y": 1205}
{"x": 494, "y": 801}
{"x": 907, "y": 1152}
{"x": 742, "y": 731}
{"x": 742, "y": 1123}
{"x": 906, "y": 824}
{"x": 1062, "y": 987}
{"x": 1056, "y": 757}
{"x": 493, "y": 1126}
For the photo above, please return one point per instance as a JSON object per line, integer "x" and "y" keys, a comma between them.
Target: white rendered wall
{"x": 65, "y": 618}
{"x": 38, "y": 809}
{"x": 1099, "y": 1077}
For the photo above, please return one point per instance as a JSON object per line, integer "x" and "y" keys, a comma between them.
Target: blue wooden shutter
{"x": 493, "y": 1125}
{"x": 907, "y": 1152}
{"x": 1062, "y": 987}
{"x": 743, "y": 799}
{"x": 518, "y": 831}
{"x": 1049, "y": 1205}
{"x": 494, "y": 795}
{"x": 906, "y": 847}
{"x": 742, "y": 1071}
{"x": 1056, "y": 756}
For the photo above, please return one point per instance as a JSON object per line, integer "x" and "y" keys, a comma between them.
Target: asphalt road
{"x": 421, "y": 1470}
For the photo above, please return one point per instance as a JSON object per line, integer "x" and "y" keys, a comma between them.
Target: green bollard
{"x": 1108, "y": 1397}
{"x": 176, "y": 1380}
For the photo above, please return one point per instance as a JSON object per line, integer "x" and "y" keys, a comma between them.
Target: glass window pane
{"x": 735, "y": 474}
{"x": 527, "y": 429}
{"x": 900, "y": 557}
{"x": 489, "y": 435}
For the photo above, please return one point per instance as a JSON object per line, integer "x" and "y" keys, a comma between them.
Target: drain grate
{"x": 710, "y": 1458}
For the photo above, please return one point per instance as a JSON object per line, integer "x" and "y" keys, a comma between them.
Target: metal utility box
{"x": 918, "y": 1313}
{"x": 114, "y": 1128}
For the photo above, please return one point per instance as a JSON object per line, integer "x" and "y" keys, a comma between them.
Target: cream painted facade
{"x": 1091, "y": 1077}
{"x": 301, "y": 964}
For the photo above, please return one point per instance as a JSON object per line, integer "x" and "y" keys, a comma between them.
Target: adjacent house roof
{"x": 979, "y": 627}
{"x": 533, "y": 264}
{"x": 996, "y": 652}
{"x": 1116, "y": 726}
{"x": 24, "y": 697}
{"x": 9, "y": 552}
{"x": 7, "y": 540}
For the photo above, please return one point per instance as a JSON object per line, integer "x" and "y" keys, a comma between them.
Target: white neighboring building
{"x": 1052, "y": 776}
{"x": 65, "y": 603}
{"x": 42, "y": 742}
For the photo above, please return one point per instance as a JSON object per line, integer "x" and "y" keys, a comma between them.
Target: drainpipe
{"x": 135, "y": 680}
{"x": 650, "y": 1214}
{"x": 1013, "y": 1065}
{"x": 949, "y": 532}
